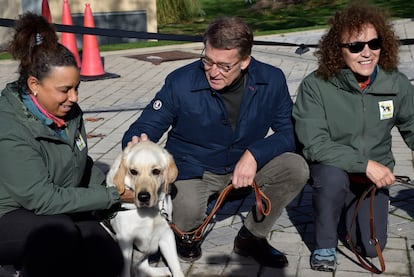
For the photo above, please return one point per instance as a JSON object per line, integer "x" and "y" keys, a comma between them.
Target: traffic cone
{"x": 69, "y": 39}
{"x": 92, "y": 67}
{"x": 46, "y": 11}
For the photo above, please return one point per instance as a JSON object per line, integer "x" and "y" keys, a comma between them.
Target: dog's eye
{"x": 156, "y": 171}
{"x": 133, "y": 172}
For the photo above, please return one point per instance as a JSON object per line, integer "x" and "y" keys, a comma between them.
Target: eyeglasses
{"x": 358, "y": 46}
{"x": 222, "y": 67}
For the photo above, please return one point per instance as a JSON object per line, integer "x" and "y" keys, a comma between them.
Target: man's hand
{"x": 136, "y": 139}
{"x": 379, "y": 174}
{"x": 245, "y": 171}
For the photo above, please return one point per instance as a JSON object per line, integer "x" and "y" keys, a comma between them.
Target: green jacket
{"x": 41, "y": 171}
{"x": 339, "y": 125}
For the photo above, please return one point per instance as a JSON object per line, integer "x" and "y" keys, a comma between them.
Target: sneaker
{"x": 324, "y": 259}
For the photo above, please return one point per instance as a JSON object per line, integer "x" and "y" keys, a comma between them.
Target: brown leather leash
{"x": 197, "y": 234}
{"x": 371, "y": 190}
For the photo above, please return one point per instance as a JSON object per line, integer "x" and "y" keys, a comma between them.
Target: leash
{"x": 405, "y": 180}
{"x": 371, "y": 190}
{"x": 197, "y": 234}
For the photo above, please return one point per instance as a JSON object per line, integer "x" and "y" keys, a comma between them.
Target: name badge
{"x": 386, "y": 109}
{"x": 80, "y": 143}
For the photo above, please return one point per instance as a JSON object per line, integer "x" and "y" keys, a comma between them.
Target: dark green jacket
{"x": 41, "y": 171}
{"x": 339, "y": 125}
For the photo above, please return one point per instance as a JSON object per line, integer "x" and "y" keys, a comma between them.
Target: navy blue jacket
{"x": 201, "y": 137}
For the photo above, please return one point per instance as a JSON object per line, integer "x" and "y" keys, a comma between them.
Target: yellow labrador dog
{"x": 147, "y": 169}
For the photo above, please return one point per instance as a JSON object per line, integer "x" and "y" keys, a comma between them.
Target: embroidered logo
{"x": 157, "y": 105}
{"x": 386, "y": 109}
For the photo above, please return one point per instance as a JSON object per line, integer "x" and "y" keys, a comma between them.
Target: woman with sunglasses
{"x": 345, "y": 112}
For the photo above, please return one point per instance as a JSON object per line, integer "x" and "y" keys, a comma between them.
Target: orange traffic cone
{"x": 92, "y": 67}
{"x": 91, "y": 58}
{"x": 46, "y": 11}
{"x": 69, "y": 39}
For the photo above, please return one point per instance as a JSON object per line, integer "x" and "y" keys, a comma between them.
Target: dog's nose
{"x": 144, "y": 197}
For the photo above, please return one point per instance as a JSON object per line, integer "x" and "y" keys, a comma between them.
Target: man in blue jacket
{"x": 218, "y": 112}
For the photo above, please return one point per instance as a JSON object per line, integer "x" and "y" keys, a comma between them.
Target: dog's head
{"x": 148, "y": 169}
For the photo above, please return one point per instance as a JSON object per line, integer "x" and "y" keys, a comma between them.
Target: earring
{"x": 35, "y": 93}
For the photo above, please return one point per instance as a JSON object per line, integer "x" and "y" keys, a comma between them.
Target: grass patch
{"x": 139, "y": 44}
{"x": 5, "y": 56}
{"x": 273, "y": 19}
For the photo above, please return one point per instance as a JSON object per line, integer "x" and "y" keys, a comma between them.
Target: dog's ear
{"x": 171, "y": 172}
{"x": 119, "y": 177}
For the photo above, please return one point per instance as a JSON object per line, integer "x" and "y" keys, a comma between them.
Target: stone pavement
{"x": 117, "y": 103}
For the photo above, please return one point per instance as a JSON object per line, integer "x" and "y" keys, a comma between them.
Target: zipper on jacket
{"x": 363, "y": 125}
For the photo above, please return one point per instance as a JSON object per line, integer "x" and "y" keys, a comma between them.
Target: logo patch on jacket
{"x": 157, "y": 105}
{"x": 386, "y": 109}
{"x": 80, "y": 142}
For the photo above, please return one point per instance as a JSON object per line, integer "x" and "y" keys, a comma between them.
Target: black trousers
{"x": 58, "y": 245}
{"x": 334, "y": 199}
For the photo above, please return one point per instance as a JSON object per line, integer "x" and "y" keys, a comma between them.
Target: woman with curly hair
{"x": 344, "y": 114}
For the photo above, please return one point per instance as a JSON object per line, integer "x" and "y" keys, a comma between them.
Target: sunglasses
{"x": 358, "y": 46}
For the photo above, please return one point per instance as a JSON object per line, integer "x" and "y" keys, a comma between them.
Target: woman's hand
{"x": 379, "y": 174}
{"x": 127, "y": 196}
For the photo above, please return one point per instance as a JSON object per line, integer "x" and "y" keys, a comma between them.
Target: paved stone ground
{"x": 119, "y": 101}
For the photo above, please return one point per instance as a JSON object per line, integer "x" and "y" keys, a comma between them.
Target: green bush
{"x": 173, "y": 11}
